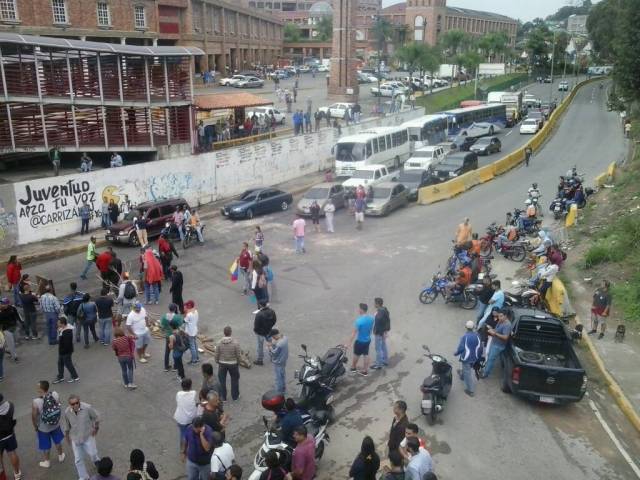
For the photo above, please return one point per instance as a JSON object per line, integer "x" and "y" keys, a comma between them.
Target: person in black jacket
{"x": 9, "y": 319}
{"x": 381, "y": 327}
{"x": 262, "y": 325}
{"x": 176, "y": 288}
{"x": 398, "y": 426}
{"x": 65, "y": 351}
{"x": 367, "y": 463}
{"x": 8, "y": 441}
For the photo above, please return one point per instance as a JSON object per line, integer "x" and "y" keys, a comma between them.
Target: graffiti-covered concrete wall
{"x": 48, "y": 207}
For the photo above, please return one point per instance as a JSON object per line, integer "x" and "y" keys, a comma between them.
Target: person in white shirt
{"x": 186, "y": 408}
{"x": 329, "y": 210}
{"x": 191, "y": 329}
{"x": 547, "y": 274}
{"x": 138, "y": 328}
{"x": 221, "y": 458}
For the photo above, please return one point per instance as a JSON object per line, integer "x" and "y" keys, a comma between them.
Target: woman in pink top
{"x": 298, "y": 233}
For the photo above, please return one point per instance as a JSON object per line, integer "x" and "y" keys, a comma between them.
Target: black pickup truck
{"x": 539, "y": 362}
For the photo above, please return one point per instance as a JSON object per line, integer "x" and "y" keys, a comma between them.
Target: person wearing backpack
{"x": 8, "y": 442}
{"x": 87, "y": 315}
{"x": 259, "y": 282}
{"x": 127, "y": 293}
{"x": 45, "y": 416}
{"x": 222, "y": 457}
{"x": 178, "y": 344}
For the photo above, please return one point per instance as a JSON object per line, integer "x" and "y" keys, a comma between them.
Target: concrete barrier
{"x": 572, "y": 216}
{"x": 436, "y": 193}
{"x": 555, "y": 297}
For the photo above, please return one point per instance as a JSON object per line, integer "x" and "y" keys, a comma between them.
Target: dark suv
{"x": 157, "y": 213}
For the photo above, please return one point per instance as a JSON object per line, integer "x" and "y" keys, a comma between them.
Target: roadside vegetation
{"x": 611, "y": 228}
{"x": 451, "y": 97}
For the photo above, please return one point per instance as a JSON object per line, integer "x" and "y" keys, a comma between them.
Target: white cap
{"x": 470, "y": 324}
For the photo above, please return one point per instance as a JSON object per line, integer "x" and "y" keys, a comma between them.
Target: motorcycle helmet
{"x": 272, "y": 401}
{"x": 534, "y": 186}
{"x": 527, "y": 201}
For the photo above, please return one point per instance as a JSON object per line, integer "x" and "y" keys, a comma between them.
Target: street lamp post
{"x": 553, "y": 59}
{"x": 376, "y": 19}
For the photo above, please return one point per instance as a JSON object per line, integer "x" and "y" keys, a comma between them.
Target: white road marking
{"x": 508, "y": 133}
{"x": 613, "y": 438}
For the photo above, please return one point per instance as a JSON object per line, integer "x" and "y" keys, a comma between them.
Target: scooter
{"x": 436, "y": 387}
{"x": 318, "y": 377}
{"x": 315, "y": 421}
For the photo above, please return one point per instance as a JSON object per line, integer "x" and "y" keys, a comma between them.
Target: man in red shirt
{"x": 244, "y": 263}
{"x": 303, "y": 463}
{"x": 103, "y": 262}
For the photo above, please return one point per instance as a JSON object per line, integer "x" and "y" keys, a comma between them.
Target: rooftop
{"x": 478, "y": 14}
{"x": 229, "y": 100}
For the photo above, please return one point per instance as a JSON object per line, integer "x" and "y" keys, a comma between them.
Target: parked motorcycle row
{"x": 570, "y": 191}
{"x": 317, "y": 377}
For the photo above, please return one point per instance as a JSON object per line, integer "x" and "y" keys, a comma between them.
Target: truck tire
{"x": 504, "y": 383}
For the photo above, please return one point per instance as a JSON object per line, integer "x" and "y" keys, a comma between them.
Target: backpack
{"x": 51, "y": 412}
{"x": 181, "y": 342}
{"x": 7, "y": 422}
{"x": 129, "y": 290}
{"x": 70, "y": 305}
{"x": 262, "y": 280}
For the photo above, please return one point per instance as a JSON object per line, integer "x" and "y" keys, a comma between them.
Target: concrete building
{"x": 233, "y": 37}
{"x": 577, "y": 24}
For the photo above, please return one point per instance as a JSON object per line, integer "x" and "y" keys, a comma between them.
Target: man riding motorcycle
{"x": 524, "y": 223}
{"x": 463, "y": 279}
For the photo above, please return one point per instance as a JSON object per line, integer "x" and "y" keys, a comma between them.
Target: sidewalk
{"x": 62, "y": 247}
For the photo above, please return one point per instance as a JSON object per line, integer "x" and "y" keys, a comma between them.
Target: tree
{"x": 565, "y": 12}
{"x": 452, "y": 42}
{"x": 602, "y": 23}
{"x": 627, "y": 38}
{"x": 537, "y": 45}
{"x": 324, "y": 29}
{"x": 382, "y": 31}
{"x": 418, "y": 56}
{"x": 493, "y": 44}
{"x": 291, "y": 32}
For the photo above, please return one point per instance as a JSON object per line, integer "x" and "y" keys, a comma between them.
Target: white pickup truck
{"x": 368, "y": 175}
{"x": 424, "y": 157}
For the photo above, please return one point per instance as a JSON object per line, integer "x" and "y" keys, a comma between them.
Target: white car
{"x": 249, "y": 82}
{"x": 390, "y": 89}
{"x": 529, "y": 126}
{"x": 368, "y": 175}
{"x": 304, "y": 69}
{"x": 336, "y": 110}
{"x": 322, "y": 68}
{"x": 563, "y": 86}
{"x": 229, "y": 81}
{"x": 260, "y": 111}
{"x": 424, "y": 157}
{"x": 481, "y": 129}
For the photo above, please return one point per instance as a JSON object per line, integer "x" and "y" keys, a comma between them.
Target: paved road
{"x": 490, "y": 436}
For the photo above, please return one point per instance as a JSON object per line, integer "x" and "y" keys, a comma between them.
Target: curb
{"x": 614, "y": 388}
{"x": 66, "y": 252}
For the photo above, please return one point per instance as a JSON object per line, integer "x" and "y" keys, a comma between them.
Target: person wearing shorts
{"x": 600, "y": 309}
{"x": 361, "y": 339}
{"x": 138, "y": 328}
{"x": 315, "y": 216}
{"x": 360, "y": 206}
{"x": 8, "y": 442}
{"x": 48, "y": 434}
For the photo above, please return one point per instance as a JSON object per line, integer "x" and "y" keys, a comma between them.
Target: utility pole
{"x": 553, "y": 59}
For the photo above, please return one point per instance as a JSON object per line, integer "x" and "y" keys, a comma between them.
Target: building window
{"x": 8, "y": 10}
{"x": 59, "y": 8}
{"x": 418, "y": 30}
{"x": 276, "y": 5}
{"x": 104, "y": 19}
{"x": 139, "y": 16}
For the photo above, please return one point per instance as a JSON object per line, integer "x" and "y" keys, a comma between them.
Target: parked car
{"x": 563, "y": 86}
{"x": 157, "y": 214}
{"x": 389, "y": 89}
{"x": 280, "y": 74}
{"x": 422, "y": 158}
{"x": 321, "y": 193}
{"x": 539, "y": 362}
{"x": 249, "y": 82}
{"x": 336, "y": 110}
{"x": 322, "y": 68}
{"x": 414, "y": 180}
{"x": 486, "y": 146}
{"x": 463, "y": 142}
{"x": 368, "y": 175}
{"x": 260, "y": 111}
{"x": 230, "y": 81}
{"x": 256, "y": 202}
{"x": 304, "y": 69}
{"x": 548, "y": 79}
{"x": 455, "y": 165}
{"x": 529, "y": 126}
{"x": 386, "y": 197}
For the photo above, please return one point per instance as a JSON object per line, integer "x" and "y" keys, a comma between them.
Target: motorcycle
{"x": 526, "y": 296}
{"x": 436, "y": 387}
{"x": 515, "y": 251}
{"x": 318, "y": 377}
{"x": 558, "y": 208}
{"x": 315, "y": 421}
{"x": 191, "y": 235}
{"x": 465, "y": 297}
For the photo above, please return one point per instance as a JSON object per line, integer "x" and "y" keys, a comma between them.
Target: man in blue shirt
{"x": 501, "y": 335}
{"x": 362, "y": 336}
{"x": 420, "y": 462}
{"x": 496, "y": 302}
{"x": 279, "y": 349}
{"x": 290, "y": 421}
{"x": 469, "y": 350}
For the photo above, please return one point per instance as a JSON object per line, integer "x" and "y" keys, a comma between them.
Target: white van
{"x": 424, "y": 157}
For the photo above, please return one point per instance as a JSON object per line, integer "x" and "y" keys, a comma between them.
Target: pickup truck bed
{"x": 539, "y": 361}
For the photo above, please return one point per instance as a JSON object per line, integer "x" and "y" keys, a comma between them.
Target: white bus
{"x": 427, "y": 130}
{"x": 387, "y": 146}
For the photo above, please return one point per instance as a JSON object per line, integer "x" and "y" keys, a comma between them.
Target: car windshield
{"x": 410, "y": 176}
{"x": 379, "y": 193}
{"x": 363, "y": 174}
{"x": 248, "y": 196}
{"x": 535, "y": 114}
{"x": 317, "y": 193}
{"x": 131, "y": 215}
{"x": 456, "y": 162}
{"x": 530, "y": 122}
{"x": 421, "y": 154}
{"x": 350, "y": 152}
{"x": 483, "y": 141}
